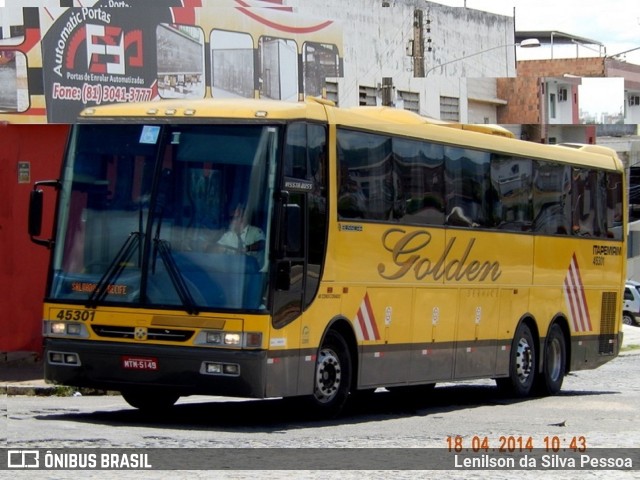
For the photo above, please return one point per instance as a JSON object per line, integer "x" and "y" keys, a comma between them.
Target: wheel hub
{"x": 328, "y": 376}
{"x": 523, "y": 360}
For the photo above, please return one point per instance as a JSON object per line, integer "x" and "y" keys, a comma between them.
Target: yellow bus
{"x": 259, "y": 248}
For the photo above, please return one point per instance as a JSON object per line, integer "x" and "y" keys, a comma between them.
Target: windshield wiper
{"x": 163, "y": 248}
{"x": 114, "y": 270}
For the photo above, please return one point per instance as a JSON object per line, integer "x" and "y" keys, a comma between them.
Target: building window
{"x": 367, "y": 96}
{"x": 552, "y": 105}
{"x": 332, "y": 91}
{"x": 410, "y": 101}
{"x": 450, "y": 109}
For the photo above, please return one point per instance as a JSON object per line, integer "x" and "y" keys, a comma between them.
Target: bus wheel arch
{"x": 523, "y": 363}
{"x": 554, "y": 358}
{"x": 335, "y": 368}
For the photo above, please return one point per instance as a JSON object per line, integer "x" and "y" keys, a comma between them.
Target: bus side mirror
{"x": 36, "y": 206}
{"x": 35, "y": 213}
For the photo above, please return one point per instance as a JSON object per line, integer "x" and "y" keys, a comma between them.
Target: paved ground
{"x": 24, "y": 375}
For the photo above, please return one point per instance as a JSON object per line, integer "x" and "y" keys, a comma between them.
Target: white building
{"x": 430, "y": 52}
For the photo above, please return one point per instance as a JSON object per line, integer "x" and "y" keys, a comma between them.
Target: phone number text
{"x": 99, "y": 93}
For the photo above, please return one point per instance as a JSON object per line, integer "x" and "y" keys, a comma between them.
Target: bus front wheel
{"x": 333, "y": 372}
{"x": 522, "y": 364}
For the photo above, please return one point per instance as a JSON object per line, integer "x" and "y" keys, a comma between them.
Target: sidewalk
{"x": 24, "y": 376}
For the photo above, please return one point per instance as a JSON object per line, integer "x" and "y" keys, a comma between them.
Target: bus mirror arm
{"x": 36, "y": 205}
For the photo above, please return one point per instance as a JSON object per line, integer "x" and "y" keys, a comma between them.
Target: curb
{"x": 31, "y": 391}
{"x": 52, "y": 391}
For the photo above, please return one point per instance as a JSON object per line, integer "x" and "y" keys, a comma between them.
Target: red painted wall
{"x": 23, "y": 264}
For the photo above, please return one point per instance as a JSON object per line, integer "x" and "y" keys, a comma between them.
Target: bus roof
{"x": 185, "y": 109}
{"x": 486, "y": 137}
{"x": 390, "y": 114}
{"x": 375, "y": 119}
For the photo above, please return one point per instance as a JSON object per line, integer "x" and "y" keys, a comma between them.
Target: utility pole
{"x": 418, "y": 44}
{"x": 387, "y": 91}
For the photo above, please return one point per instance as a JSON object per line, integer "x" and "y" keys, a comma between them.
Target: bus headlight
{"x": 232, "y": 338}
{"x": 214, "y": 338}
{"x": 58, "y": 328}
{"x": 64, "y": 358}
{"x": 74, "y": 329}
{"x": 65, "y": 329}
{"x": 229, "y": 339}
{"x": 216, "y": 368}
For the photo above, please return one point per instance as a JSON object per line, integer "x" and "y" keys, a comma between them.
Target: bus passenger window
{"x": 419, "y": 169}
{"x": 511, "y": 179}
{"x": 584, "y": 195}
{"x": 614, "y": 205}
{"x": 470, "y": 198}
{"x": 367, "y": 188}
{"x": 551, "y": 198}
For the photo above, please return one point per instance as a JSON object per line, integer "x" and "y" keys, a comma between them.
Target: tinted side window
{"x": 587, "y": 198}
{"x": 420, "y": 171}
{"x": 367, "y": 183}
{"x": 317, "y": 199}
{"x": 511, "y": 178}
{"x": 614, "y": 210}
{"x": 470, "y": 198}
{"x": 295, "y": 152}
{"x": 551, "y": 201}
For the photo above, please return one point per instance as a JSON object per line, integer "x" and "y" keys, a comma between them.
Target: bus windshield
{"x": 168, "y": 216}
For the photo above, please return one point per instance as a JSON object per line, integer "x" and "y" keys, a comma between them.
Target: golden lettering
{"x": 410, "y": 251}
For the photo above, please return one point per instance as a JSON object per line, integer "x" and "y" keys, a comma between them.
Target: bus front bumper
{"x": 184, "y": 370}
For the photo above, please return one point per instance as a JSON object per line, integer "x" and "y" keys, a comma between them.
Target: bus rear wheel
{"x": 150, "y": 400}
{"x": 522, "y": 364}
{"x": 554, "y": 366}
{"x": 333, "y": 372}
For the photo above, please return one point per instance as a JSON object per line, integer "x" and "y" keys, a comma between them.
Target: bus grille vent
{"x": 162, "y": 334}
{"x": 608, "y": 337}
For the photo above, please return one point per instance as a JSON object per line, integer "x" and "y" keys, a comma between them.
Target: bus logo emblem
{"x": 140, "y": 333}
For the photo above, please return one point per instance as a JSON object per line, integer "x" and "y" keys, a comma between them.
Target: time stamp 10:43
{"x": 515, "y": 443}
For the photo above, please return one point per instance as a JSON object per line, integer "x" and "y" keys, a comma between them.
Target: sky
{"x": 614, "y": 23}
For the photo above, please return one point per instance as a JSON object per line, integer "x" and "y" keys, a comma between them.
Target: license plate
{"x": 139, "y": 363}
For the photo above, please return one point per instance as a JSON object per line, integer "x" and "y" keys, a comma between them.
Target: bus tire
{"x": 522, "y": 364}
{"x": 332, "y": 379}
{"x": 554, "y": 362}
{"x": 150, "y": 400}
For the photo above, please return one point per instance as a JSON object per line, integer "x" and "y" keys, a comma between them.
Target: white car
{"x": 631, "y": 308}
